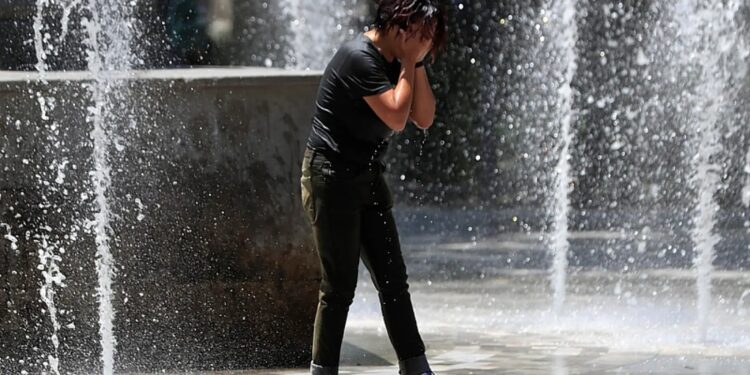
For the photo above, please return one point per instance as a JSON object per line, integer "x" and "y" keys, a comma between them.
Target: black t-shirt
{"x": 344, "y": 126}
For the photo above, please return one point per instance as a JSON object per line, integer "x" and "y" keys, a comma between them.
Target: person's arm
{"x": 394, "y": 105}
{"x": 423, "y": 104}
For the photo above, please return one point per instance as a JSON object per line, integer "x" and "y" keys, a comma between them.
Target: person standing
{"x": 371, "y": 88}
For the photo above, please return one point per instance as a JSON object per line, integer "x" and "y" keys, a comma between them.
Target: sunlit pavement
{"x": 523, "y": 355}
{"x": 503, "y": 326}
{"x": 481, "y": 313}
{"x": 612, "y": 324}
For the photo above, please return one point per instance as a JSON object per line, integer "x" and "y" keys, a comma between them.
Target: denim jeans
{"x": 350, "y": 212}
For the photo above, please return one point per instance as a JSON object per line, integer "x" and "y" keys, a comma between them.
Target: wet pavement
{"x": 484, "y": 307}
{"x": 640, "y": 323}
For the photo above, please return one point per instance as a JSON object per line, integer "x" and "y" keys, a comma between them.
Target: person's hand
{"x": 412, "y": 47}
{"x": 425, "y": 49}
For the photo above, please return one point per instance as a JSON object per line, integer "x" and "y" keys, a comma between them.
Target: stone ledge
{"x": 245, "y": 75}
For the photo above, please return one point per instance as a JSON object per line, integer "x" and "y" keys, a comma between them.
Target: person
{"x": 371, "y": 88}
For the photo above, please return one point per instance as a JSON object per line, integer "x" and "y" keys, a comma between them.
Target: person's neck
{"x": 385, "y": 41}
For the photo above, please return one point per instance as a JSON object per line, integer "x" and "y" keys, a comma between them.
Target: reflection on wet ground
{"x": 640, "y": 323}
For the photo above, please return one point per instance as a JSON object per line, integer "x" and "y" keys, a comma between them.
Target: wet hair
{"x": 428, "y": 14}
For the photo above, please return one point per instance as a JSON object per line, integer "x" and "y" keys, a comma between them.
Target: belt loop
{"x": 310, "y": 152}
{"x": 314, "y": 154}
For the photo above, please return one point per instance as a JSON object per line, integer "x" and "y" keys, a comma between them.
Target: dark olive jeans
{"x": 350, "y": 212}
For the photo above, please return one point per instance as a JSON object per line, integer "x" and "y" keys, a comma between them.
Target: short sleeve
{"x": 364, "y": 74}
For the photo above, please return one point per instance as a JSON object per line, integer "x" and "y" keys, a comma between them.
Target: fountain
{"x": 581, "y": 187}
{"x": 642, "y": 86}
{"x": 109, "y": 31}
{"x": 564, "y": 37}
{"x": 709, "y": 33}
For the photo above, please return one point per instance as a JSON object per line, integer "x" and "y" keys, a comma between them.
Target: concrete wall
{"x": 15, "y": 28}
{"x": 213, "y": 259}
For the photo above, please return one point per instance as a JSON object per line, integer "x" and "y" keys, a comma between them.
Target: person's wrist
{"x": 410, "y": 61}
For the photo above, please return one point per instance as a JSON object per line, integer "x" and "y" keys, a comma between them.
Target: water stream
{"x": 711, "y": 37}
{"x": 108, "y": 34}
{"x": 746, "y": 187}
{"x": 565, "y": 37}
{"x": 50, "y": 249}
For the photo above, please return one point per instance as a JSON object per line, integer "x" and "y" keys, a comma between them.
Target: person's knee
{"x": 393, "y": 291}
{"x": 337, "y": 297}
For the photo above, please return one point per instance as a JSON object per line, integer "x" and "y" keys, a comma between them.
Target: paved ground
{"x": 524, "y": 355}
{"x": 484, "y": 308}
{"x": 612, "y": 324}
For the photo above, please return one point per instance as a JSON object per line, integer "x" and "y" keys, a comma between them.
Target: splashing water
{"x": 567, "y": 34}
{"x": 419, "y": 162}
{"x": 317, "y": 30}
{"x": 49, "y": 248}
{"x": 64, "y": 22}
{"x": 40, "y": 42}
{"x": 425, "y": 134}
{"x": 745, "y": 297}
{"x": 746, "y": 187}
{"x": 708, "y": 30}
{"x": 560, "y": 365}
{"x": 10, "y": 237}
{"x": 52, "y": 277}
{"x": 707, "y": 178}
{"x": 108, "y": 36}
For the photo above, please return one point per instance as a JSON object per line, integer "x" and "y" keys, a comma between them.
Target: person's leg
{"x": 334, "y": 213}
{"x": 382, "y": 256}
